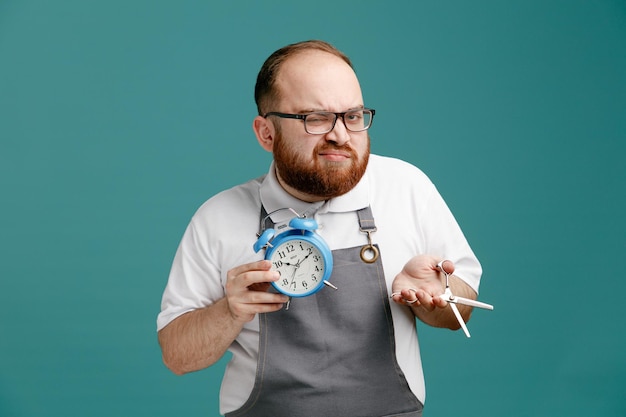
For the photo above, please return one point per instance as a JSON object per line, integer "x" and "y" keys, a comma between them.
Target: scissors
{"x": 453, "y": 300}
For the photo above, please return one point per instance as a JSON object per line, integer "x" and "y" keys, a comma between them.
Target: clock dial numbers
{"x": 300, "y": 265}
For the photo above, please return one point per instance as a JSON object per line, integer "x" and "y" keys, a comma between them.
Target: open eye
{"x": 354, "y": 117}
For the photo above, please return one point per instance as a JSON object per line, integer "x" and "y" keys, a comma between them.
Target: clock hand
{"x": 326, "y": 282}
{"x": 294, "y": 273}
{"x": 297, "y": 265}
{"x": 302, "y": 260}
{"x": 293, "y": 276}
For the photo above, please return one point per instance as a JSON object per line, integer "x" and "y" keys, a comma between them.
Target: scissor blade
{"x": 468, "y": 302}
{"x": 460, "y": 319}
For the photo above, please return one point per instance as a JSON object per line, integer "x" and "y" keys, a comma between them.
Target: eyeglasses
{"x": 321, "y": 122}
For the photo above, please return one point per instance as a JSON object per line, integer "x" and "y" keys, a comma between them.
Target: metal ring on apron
{"x": 369, "y": 249}
{"x": 372, "y": 250}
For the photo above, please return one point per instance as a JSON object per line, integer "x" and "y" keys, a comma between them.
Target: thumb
{"x": 445, "y": 266}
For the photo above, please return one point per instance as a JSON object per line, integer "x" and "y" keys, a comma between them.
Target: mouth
{"x": 335, "y": 155}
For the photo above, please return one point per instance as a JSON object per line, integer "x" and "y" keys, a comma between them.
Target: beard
{"x": 313, "y": 176}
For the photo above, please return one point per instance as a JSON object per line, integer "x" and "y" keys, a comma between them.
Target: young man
{"x": 346, "y": 352}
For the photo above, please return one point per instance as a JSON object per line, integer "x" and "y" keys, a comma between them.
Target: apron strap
{"x": 369, "y": 252}
{"x": 366, "y": 220}
{"x": 266, "y": 222}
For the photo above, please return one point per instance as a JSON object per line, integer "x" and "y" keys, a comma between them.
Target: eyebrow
{"x": 359, "y": 107}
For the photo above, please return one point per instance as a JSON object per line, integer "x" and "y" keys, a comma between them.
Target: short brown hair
{"x": 265, "y": 93}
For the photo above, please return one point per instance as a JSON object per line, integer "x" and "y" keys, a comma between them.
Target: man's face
{"x": 313, "y": 174}
{"x": 314, "y": 167}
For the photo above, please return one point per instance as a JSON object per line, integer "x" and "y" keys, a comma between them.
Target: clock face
{"x": 301, "y": 266}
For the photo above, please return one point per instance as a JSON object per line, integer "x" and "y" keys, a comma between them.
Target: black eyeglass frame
{"x": 303, "y": 116}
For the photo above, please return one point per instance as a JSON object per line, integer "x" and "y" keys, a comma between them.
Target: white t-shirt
{"x": 411, "y": 219}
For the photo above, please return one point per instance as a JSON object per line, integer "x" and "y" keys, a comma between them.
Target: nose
{"x": 340, "y": 135}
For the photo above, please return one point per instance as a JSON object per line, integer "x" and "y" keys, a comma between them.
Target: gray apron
{"x": 332, "y": 354}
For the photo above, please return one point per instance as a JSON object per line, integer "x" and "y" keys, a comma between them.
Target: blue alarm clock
{"x": 300, "y": 255}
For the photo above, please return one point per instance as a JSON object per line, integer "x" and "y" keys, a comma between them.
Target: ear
{"x": 264, "y": 131}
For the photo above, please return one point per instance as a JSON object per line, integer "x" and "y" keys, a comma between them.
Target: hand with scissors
{"x": 427, "y": 285}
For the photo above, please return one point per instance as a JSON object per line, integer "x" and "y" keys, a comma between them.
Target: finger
{"x": 253, "y": 277}
{"x": 246, "y": 311}
{"x": 262, "y": 297}
{"x": 439, "y": 302}
{"x": 410, "y": 296}
{"x": 262, "y": 265}
{"x": 445, "y": 266}
{"x": 254, "y": 272}
{"x": 397, "y": 298}
{"x": 252, "y": 301}
{"x": 425, "y": 299}
{"x": 407, "y": 296}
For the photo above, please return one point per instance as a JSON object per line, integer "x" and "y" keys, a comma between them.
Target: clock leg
{"x": 330, "y": 285}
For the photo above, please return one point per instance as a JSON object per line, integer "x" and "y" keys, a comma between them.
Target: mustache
{"x": 335, "y": 147}
{"x": 332, "y": 146}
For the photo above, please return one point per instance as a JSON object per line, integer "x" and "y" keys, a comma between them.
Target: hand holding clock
{"x": 283, "y": 248}
{"x": 246, "y": 290}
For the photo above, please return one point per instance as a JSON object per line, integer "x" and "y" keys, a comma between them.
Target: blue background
{"x": 119, "y": 118}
